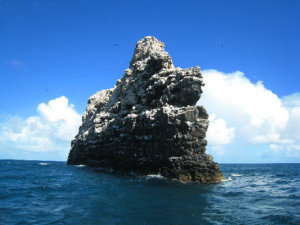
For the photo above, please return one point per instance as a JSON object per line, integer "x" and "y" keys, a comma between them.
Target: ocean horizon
{"x": 223, "y": 163}
{"x": 51, "y": 192}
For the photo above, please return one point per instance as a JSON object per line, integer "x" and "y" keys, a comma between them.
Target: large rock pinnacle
{"x": 149, "y": 121}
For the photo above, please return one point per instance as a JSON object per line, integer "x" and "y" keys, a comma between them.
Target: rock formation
{"x": 149, "y": 121}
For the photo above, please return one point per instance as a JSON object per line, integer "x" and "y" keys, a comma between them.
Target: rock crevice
{"x": 149, "y": 121}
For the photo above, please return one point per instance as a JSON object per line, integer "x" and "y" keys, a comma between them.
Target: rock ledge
{"x": 149, "y": 121}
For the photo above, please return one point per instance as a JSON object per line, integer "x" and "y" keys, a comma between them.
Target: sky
{"x": 55, "y": 54}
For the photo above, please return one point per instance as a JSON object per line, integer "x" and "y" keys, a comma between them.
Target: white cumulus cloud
{"x": 59, "y": 112}
{"x": 51, "y": 130}
{"x": 250, "y": 110}
{"x": 218, "y": 133}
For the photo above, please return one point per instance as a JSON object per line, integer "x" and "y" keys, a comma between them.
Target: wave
{"x": 236, "y": 175}
{"x": 227, "y": 179}
{"x": 44, "y": 164}
{"x": 154, "y": 176}
{"x": 254, "y": 197}
{"x": 80, "y": 165}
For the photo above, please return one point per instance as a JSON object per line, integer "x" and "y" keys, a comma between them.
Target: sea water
{"x": 39, "y": 192}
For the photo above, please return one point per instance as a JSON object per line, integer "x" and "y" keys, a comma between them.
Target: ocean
{"x": 40, "y": 192}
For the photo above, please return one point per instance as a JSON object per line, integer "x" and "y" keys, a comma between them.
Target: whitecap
{"x": 44, "y": 164}
{"x": 155, "y": 176}
{"x": 236, "y": 175}
{"x": 227, "y": 179}
{"x": 80, "y": 165}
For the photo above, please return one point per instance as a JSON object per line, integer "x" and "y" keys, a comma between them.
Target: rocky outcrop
{"x": 149, "y": 121}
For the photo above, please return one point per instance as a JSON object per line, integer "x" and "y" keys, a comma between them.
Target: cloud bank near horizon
{"x": 245, "y": 118}
{"x": 51, "y": 130}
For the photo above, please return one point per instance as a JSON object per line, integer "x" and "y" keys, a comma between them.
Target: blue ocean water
{"x": 35, "y": 192}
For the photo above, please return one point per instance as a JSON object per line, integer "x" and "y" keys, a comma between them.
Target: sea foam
{"x": 227, "y": 179}
{"x": 154, "y": 176}
{"x": 236, "y": 175}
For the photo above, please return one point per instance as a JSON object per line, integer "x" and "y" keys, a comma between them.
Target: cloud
{"x": 50, "y": 131}
{"x": 252, "y": 111}
{"x": 292, "y": 100}
{"x": 288, "y": 151}
{"x": 63, "y": 115}
{"x": 292, "y": 104}
{"x": 218, "y": 133}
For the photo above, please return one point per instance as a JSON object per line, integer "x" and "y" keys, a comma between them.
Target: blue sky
{"x": 50, "y": 49}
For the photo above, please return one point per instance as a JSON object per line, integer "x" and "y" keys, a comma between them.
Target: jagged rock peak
{"x": 149, "y": 121}
{"x": 149, "y": 48}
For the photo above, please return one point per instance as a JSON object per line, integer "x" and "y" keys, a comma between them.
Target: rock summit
{"x": 148, "y": 123}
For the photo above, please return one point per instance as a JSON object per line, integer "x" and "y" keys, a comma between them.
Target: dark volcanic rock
{"x": 149, "y": 121}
